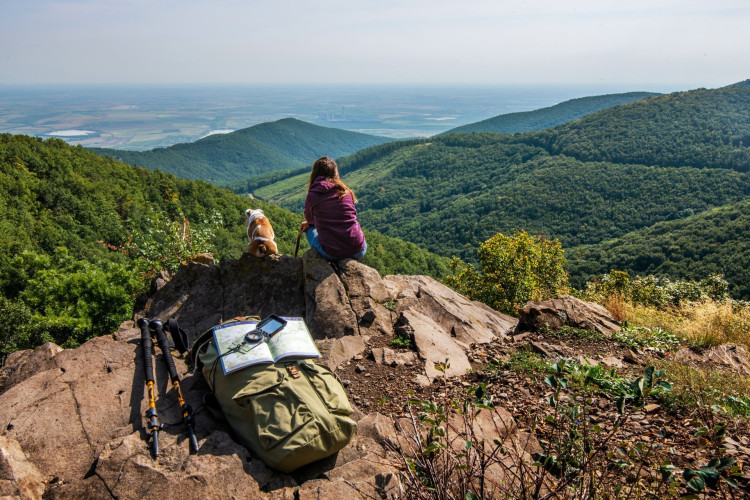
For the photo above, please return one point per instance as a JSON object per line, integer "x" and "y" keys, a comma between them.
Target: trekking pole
{"x": 296, "y": 247}
{"x": 187, "y": 412}
{"x": 153, "y": 422}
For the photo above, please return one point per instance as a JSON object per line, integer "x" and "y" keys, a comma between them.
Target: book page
{"x": 234, "y": 353}
{"x": 294, "y": 341}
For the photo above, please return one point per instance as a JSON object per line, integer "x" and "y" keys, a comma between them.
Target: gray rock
{"x": 466, "y": 320}
{"x": 435, "y": 345}
{"x": 21, "y": 365}
{"x": 338, "y": 351}
{"x": 328, "y": 312}
{"x": 19, "y": 478}
{"x": 566, "y": 311}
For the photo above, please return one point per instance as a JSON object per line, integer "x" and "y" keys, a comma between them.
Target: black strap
{"x": 179, "y": 336}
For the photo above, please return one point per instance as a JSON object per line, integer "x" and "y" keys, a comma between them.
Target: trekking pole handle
{"x": 161, "y": 338}
{"x": 146, "y": 348}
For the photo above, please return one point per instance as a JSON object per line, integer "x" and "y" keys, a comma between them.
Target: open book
{"x": 292, "y": 342}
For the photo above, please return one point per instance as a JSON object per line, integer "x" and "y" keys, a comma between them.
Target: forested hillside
{"x": 539, "y": 119}
{"x": 719, "y": 239}
{"x": 701, "y": 128}
{"x": 449, "y": 193}
{"x": 282, "y": 144}
{"x": 80, "y": 235}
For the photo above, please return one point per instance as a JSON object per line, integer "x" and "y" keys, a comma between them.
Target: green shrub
{"x": 65, "y": 300}
{"x": 515, "y": 269}
{"x": 655, "y": 291}
{"x": 14, "y": 319}
{"x": 166, "y": 242}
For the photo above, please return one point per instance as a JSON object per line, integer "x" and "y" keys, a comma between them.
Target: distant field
{"x": 141, "y": 118}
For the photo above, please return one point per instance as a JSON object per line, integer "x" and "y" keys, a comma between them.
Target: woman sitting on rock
{"x": 330, "y": 224}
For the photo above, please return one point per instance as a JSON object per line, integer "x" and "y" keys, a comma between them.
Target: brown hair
{"x": 326, "y": 167}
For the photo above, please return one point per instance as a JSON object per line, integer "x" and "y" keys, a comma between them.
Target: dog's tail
{"x": 263, "y": 249}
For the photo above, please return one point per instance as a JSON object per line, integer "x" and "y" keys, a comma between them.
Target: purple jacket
{"x": 335, "y": 219}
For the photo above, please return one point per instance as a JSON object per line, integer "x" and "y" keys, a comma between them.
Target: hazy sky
{"x": 690, "y": 43}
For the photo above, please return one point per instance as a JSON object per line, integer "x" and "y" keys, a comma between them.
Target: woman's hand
{"x": 304, "y": 226}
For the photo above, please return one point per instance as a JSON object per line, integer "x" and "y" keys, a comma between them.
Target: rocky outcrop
{"x": 344, "y": 305}
{"x": 566, "y": 311}
{"x": 71, "y": 421}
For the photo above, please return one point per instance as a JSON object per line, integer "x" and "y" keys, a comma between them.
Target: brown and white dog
{"x": 260, "y": 234}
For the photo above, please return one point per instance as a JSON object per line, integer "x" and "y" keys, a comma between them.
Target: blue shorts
{"x": 312, "y": 239}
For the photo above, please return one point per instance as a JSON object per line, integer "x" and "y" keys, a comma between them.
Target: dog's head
{"x": 251, "y": 215}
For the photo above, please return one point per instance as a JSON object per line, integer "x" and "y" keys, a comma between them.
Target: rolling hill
{"x": 265, "y": 147}
{"x": 539, "y": 119}
{"x": 579, "y": 182}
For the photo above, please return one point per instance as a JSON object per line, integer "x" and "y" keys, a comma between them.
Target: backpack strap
{"x": 179, "y": 336}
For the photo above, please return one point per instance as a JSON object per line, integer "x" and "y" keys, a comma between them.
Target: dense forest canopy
{"x": 716, "y": 241}
{"x": 701, "y": 128}
{"x": 283, "y": 144}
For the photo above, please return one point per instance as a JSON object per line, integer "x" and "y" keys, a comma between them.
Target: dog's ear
{"x": 247, "y": 213}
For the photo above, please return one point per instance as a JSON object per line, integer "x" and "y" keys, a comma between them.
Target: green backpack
{"x": 288, "y": 414}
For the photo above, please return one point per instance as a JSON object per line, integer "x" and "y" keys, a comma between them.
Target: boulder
{"x": 435, "y": 346}
{"x": 21, "y": 365}
{"x": 729, "y": 356}
{"x": 338, "y": 351}
{"x": 389, "y": 357}
{"x": 328, "y": 311}
{"x": 466, "y": 320}
{"x": 202, "y": 294}
{"x": 566, "y": 311}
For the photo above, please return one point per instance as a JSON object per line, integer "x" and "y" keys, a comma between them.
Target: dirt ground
{"x": 387, "y": 389}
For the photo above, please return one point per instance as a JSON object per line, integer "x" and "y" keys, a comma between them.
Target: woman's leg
{"x": 360, "y": 255}
{"x": 312, "y": 239}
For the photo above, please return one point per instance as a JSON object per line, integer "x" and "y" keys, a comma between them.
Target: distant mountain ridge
{"x": 283, "y": 144}
{"x": 527, "y": 121}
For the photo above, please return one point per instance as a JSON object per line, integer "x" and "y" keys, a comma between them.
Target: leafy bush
{"x": 65, "y": 300}
{"x": 515, "y": 269}
{"x": 167, "y": 242}
{"x": 655, "y": 339}
{"x": 14, "y": 319}
{"x": 400, "y": 342}
{"x": 655, "y": 291}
